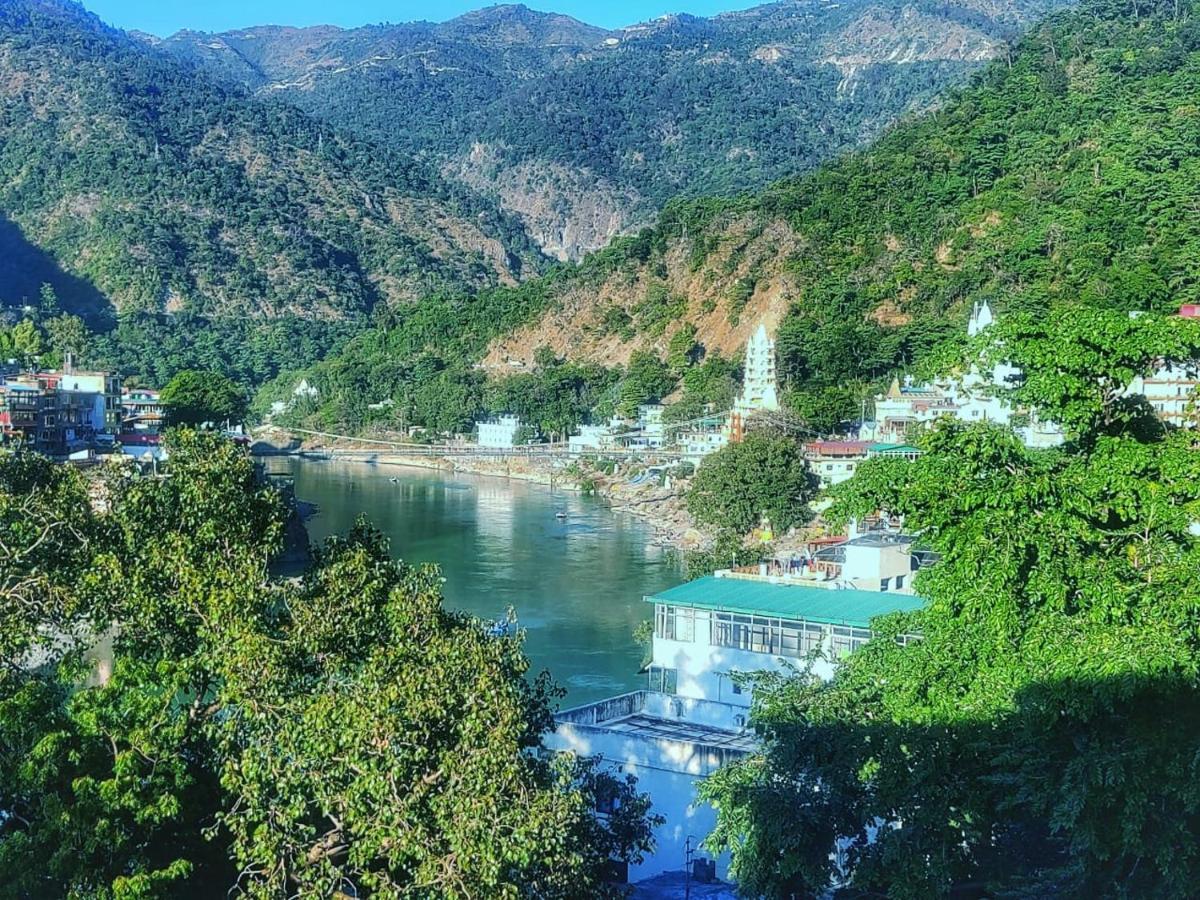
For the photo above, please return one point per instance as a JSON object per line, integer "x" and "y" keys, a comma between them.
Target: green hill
{"x": 134, "y": 184}
{"x": 1064, "y": 175}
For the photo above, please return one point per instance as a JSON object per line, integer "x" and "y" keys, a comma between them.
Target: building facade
{"x": 759, "y": 381}
{"x": 693, "y": 717}
{"x": 499, "y": 433}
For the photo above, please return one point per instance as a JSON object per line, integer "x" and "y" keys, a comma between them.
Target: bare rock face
{"x": 567, "y": 212}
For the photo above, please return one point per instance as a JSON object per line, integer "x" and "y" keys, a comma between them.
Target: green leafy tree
{"x": 339, "y": 735}
{"x": 763, "y": 475}
{"x": 647, "y": 380}
{"x": 1034, "y": 741}
{"x": 27, "y": 341}
{"x": 67, "y": 335}
{"x": 198, "y": 398}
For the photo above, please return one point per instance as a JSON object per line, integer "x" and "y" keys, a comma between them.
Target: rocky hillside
{"x": 585, "y": 134}
{"x": 131, "y": 182}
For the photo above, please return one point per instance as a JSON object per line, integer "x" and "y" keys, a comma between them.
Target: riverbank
{"x": 624, "y": 487}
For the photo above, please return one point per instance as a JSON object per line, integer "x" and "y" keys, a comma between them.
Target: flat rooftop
{"x": 680, "y": 730}
{"x": 750, "y": 596}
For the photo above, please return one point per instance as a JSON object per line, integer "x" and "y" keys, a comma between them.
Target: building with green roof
{"x": 710, "y": 629}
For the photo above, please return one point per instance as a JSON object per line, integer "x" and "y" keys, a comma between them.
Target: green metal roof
{"x": 788, "y": 601}
{"x": 892, "y": 448}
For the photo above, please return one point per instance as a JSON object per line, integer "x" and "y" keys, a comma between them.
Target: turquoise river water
{"x": 577, "y": 583}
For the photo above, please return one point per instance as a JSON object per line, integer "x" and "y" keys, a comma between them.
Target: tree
{"x": 764, "y": 475}
{"x": 201, "y": 398}
{"x": 647, "y": 380}
{"x": 1034, "y": 741}
{"x": 339, "y": 735}
{"x": 48, "y": 301}
{"x": 27, "y": 341}
{"x": 67, "y": 335}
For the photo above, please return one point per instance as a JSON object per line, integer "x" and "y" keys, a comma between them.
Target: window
{"x": 899, "y": 582}
{"x": 675, "y": 623}
{"x": 884, "y": 583}
{"x": 737, "y": 688}
{"x": 800, "y": 638}
{"x": 663, "y": 680}
{"x": 846, "y": 640}
{"x": 760, "y": 634}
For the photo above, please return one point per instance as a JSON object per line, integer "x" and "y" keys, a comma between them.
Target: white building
{"x": 1170, "y": 391}
{"x": 650, "y": 427}
{"x": 699, "y": 443}
{"x": 759, "y": 386}
{"x": 693, "y": 718}
{"x": 668, "y": 743}
{"x": 835, "y": 461}
{"x": 592, "y": 437}
{"x": 974, "y": 396}
{"x": 500, "y": 433}
{"x": 106, "y": 387}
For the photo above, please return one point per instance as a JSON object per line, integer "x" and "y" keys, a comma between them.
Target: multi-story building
{"x": 105, "y": 386}
{"x": 23, "y": 410}
{"x": 499, "y": 433}
{"x": 651, "y": 431}
{"x": 693, "y": 716}
{"x": 1171, "y": 391}
{"x": 835, "y": 461}
{"x": 142, "y": 410}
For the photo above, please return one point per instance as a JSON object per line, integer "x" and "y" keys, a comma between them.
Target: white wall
{"x": 866, "y": 566}
{"x": 702, "y": 670}
{"x": 669, "y": 771}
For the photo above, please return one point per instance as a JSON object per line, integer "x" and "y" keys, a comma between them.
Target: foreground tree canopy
{"x": 341, "y": 734}
{"x": 1041, "y": 739}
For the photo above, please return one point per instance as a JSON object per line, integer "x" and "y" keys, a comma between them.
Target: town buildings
{"x": 60, "y": 413}
{"x": 973, "y": 396}
{"x": 142, "y": 410}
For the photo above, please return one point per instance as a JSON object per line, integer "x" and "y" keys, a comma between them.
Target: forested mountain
{"x": 1063, "y": 176}
{"x": 585, "y": 133}
{"x": 130, "y": 182}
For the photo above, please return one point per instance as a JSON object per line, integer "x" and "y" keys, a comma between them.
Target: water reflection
{"x": 576, "y": 582}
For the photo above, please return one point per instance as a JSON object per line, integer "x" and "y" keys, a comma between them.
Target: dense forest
{"x": 584, "y": 132}
{"x": 1062, "y": 177}
{"x": 136, "y": 187}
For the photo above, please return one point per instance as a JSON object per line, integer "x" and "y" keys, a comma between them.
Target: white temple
{"x": 759, "y": 391}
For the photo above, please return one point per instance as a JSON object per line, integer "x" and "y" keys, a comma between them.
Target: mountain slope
{"x": 1063, "y": 176}
{"x": 1066, "y": 176}
{"x": 586, "y": 133}
{"x": 168, "y": 193}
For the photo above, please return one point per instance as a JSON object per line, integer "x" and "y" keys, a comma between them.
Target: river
{"x": 576, "y": 583}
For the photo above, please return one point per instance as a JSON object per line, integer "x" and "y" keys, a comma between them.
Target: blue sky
{"x": 163, "y": 17}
